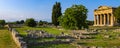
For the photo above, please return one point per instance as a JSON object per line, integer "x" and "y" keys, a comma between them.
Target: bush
{"x": 30, "y": 22}
{"x": 2, "y": 23}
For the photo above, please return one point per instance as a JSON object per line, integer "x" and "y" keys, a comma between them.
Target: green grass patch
{"x": 50, "y": 30}
{"x": 6, "y": 40}
{"x": 104, "y": 27}
{"x": 41, "y": 39}
{"x": 54, "y": 46}
{"x": 101, "y": 42}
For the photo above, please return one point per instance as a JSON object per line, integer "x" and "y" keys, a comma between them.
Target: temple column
{"x": 112, "y": 19}
{"x": 104, "y": 19}
{"x": 97, "y": 20}
{"x": 100, "y": 19}
{"x": 108, "y": 19}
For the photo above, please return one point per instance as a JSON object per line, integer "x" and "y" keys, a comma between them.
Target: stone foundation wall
{"x": 15, "y": 38}
{"x": 18, "y": 40}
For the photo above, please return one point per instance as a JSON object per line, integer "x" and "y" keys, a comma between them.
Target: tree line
{"x": 28, "y": 22}
{"x": 74, "y": 17}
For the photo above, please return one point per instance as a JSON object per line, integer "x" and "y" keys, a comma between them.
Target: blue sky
{"x": 12, "y": 10}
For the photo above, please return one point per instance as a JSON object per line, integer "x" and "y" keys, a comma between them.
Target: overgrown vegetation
{"x": 50, "y": 30}
{"x": 54, "y": 46}
{"x": 117, "y": 14}
{"x": 107, "y": 37}
{"x": 99, "y": 40}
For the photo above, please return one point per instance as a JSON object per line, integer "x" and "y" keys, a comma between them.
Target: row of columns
{"x": 103, "y": 19}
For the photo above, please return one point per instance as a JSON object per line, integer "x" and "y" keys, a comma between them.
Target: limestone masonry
{"x": 103, "y": 16}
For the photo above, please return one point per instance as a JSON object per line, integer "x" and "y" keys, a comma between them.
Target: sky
{"x": 13, "y": 10}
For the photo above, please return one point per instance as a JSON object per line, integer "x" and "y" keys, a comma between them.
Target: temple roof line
{"x": 104, "y": 8}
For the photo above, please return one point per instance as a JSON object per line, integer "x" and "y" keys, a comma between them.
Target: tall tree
{"x": 117, "y": 14}
{"x": 56, "y": 12}
{"x": 74, "y": 17}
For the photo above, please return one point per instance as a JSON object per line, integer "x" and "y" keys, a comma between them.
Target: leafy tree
{"x": 17, "y": 22}
{"x": 2, "y": 22}
{"x": 56, "y": 12}
{"x": 22, "y": 22}
{"x": 117, "y": 14}
{"x": 74, "y": 17}
{"x": 42, "y": 22}
{"x": 89, "y": 22}
{"x": 30, "y": 22}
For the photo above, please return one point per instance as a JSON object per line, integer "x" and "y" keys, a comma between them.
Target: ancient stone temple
{"x": 103, "y": 16}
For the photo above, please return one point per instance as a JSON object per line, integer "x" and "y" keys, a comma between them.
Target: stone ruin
{"x": 59, "y": 39}
{"x": 64, "y": 36}
{"x": 18, "y": 39}
{"x": 84, "y": 35}
{"x": 38, "y": 34}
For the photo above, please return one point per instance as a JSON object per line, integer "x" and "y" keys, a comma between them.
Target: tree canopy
{"x": 22, "y": 22}
{"x": 2, "y": 22}
{"x": 117, "y": 14}
{"x": 56, "y": 12}
{"x": 30, "y": 22}
{"x": 74, "y": 17}
{"x": 17, "y": 22}
{"x": 42, "y": 22}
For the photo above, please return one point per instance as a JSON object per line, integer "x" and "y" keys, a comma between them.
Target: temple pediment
{"x": 103, "y": 7}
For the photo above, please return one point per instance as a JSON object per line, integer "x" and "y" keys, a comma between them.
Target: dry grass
{"x": 6, "y": 40}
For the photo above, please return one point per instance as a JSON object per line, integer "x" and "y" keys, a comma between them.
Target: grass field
{"x": 99, "y": 40}
{"x": 50, "y": 30}
{"x": 104, "y": 27}
{"x": 54, "y": 46}
{"x": 6, "y": 40}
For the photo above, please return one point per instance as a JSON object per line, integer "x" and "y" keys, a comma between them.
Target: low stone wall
{"x": 15, "y": 38}
{"x": 67, "y": 41}
{"x": 18, "y": 40}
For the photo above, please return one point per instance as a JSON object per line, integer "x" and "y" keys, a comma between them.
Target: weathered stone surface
{"x": 103, "y": 16}
{"x": 38, "y": 34}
